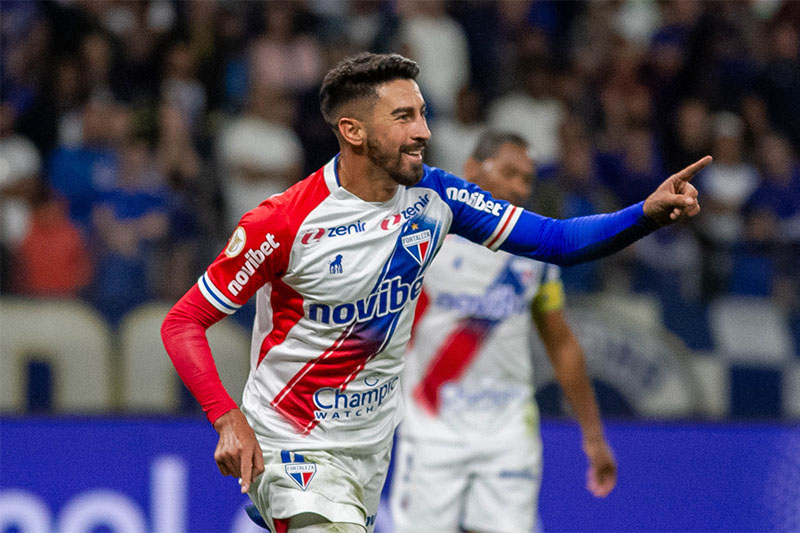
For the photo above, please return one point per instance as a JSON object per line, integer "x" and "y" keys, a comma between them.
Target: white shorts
{"x": 445, "y": 488}
{"x": 341, "y": 487}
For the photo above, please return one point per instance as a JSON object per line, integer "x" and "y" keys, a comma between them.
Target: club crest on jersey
{"x": 301, "y": 473}
{"x": 236, "y": 242}
{"x": 391, "y": 222}
{"x": 335, "y": 266}
{"x": 418, "y": 245}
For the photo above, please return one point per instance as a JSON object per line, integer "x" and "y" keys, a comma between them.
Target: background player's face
{"x": 397, "y": 131}
{"x": 508, "y": 174}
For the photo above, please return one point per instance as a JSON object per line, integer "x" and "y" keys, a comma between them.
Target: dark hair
{"x": 490, "y": 142}
{"x": 358, "y": 76}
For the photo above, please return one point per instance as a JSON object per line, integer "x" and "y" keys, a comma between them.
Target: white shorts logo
{"x": 301, "y": 473}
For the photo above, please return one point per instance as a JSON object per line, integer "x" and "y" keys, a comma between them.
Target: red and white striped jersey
{"x": 336, "y": 280}
{"x": 468, "y": 369}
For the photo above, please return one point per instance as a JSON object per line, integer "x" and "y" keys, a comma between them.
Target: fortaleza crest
{"x": 418, "y": 245}
{"x": 301, "y": 473}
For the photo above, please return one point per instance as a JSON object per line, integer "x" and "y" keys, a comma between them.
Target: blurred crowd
{"x": 134, "y": 134}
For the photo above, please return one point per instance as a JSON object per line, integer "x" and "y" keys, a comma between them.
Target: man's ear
{"x": 352, "y": 130}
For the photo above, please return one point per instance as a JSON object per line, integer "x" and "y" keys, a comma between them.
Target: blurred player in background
{"x": 469, "y": 454}
{"x": 336, "y": 265}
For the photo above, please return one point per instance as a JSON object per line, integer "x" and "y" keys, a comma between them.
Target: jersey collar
{"x": 331, "y": 174}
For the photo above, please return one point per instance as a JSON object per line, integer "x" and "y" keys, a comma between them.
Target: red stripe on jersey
{"x": 503, "y": 229}
{"x": 451, "y": 361}
{"x": 419, "y": 312}
{"x": 335, "y": 368}
{"x": 287, "y": 310}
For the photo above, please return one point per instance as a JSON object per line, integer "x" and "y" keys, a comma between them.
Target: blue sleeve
{"x": 497, "y": 224}
{"x": 476, "y": 215}
{"x": 577, "y": 240}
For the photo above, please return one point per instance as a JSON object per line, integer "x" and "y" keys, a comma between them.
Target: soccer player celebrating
{"x": 470, "y": 457}
{"x": 336, "y": 265}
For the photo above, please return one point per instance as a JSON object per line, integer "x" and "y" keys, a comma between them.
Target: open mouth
{"x": 414, "y": 155}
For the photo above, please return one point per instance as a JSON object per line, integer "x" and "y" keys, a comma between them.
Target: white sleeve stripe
{"x": 215, "y": 296}
{"x": 504, "y": 228}
{"x": 497, "y": 228}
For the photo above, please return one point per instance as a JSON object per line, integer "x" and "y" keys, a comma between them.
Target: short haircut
{"x": 491, "y": 140}
{"x": 358, "y": 77}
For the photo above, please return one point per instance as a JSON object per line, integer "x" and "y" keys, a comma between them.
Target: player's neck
{"x": 360, "y": 177}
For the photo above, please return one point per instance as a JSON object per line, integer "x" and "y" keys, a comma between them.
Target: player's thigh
{"x": 504, "y": 490}
{"x": 314, "y": 523}
{"x": 428, "y": 486}
{"x": 320, "y": 483}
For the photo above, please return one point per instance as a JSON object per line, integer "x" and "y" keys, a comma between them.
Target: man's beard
{"x": 393, "y": 163}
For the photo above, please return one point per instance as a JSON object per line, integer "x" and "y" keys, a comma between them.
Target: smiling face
{"x": 397, "y": 131}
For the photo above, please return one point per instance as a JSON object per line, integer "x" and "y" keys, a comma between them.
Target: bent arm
{"x": 577, "y": 240}
{"x": 184, "y": 335}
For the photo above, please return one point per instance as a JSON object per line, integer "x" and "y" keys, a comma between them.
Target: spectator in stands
{"x": 765, "y": 261}
{"x": 286, "y": 55}
{"x": 631, "y": 163}
{"x": 22, "y": 52}
{"x": 20, "y": 166}
{"x": 97, "y": 65}
{"x": 452, "y": 138}
{"x": 55, "y": 118}
{"x": 128, "y": 220}
{"x": 532, "y": 110}
{"x": 53, "y": 259}
{"x": 729, "y": 184}
{"x": 251, "y": 174}
{"x": 81, "y": 173}
{"x": 780, "y": 84}
{"x": 181, "y": 88}
{"x": 779, "y": 192}
{"x": 195, "y": 204}
{"x": 689, "y": 135}
{"x": 576, "y": 190}
{"x": 429, "y": 36}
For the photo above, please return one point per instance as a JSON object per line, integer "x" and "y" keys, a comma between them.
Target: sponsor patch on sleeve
{"x": 236, "y": 242}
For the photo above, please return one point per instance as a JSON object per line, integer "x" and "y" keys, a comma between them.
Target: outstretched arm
{"x": 184, "y": 334}
{"x": 568, "y": 362}
{"x": 577, "y": 240}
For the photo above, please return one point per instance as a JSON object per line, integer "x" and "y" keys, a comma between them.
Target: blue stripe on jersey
{"x": 210, "y": 291}
{"x": 291, "y": 457}
{"x": 336, "y": 169}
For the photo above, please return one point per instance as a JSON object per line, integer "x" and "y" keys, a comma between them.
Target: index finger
{"x": 688, "y": 173}
{"x": 258, "y": 465}
{"x": 246, "y": 469}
